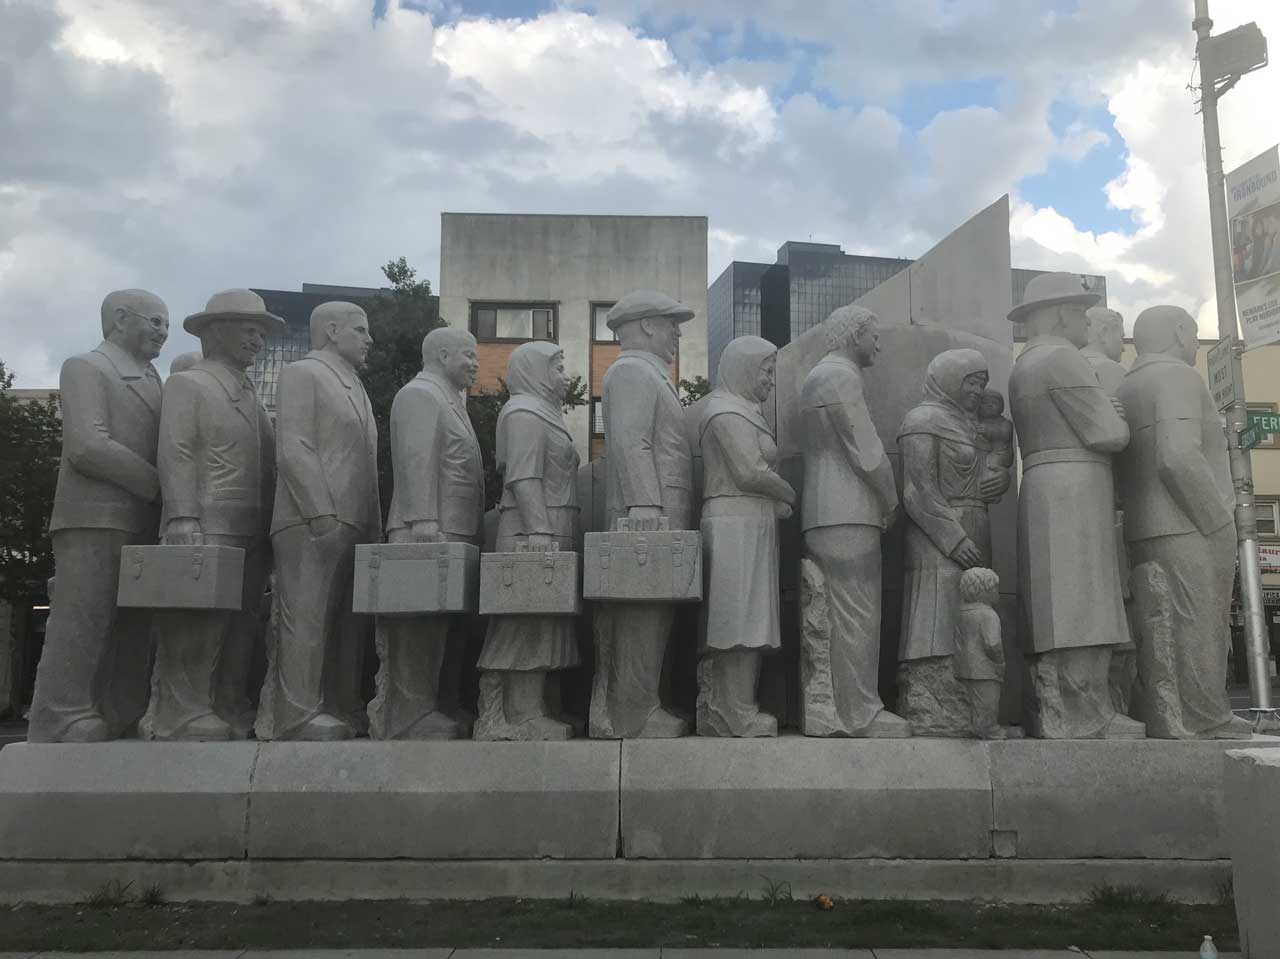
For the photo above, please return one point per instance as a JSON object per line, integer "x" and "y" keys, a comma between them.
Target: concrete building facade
{"x": 511, "y": 278}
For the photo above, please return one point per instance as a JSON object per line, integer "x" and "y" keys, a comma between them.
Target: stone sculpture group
{"x": 174, "y": 504}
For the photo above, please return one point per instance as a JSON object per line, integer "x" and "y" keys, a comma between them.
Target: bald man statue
{"x": 438, "y": 497}
{"x": 91, "y": 684}
{"x": 1175, "y": 479}
{"x": 326, "y": 501}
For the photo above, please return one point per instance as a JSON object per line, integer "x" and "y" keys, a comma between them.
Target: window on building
{"x": 513, "y": 321}
{"x": 1268, "y": 515}
{"x": 600, "y": 331}
{"x": 1270, "y": 441}
{"x": 597, "y": 416}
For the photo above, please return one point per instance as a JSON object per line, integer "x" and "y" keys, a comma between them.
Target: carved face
{"x": 764, "y": 378}
{"x": 234, "y": 342}
{"x": 865, "y": 344}
{"x": 557, "y": 378}
{"x": 350, "y": 337}
{"x": 1075, "y": 324}
{"x": 971, "y": 390}
{"x": 142, "y": 330}
{"x": 460, "y": 364}
{"x": 991, "y": 405}
{"x": 664, "y": 337}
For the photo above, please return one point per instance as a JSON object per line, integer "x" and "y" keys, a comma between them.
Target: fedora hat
{"x": 644, "y": 304}
{"x": 234, "y": 305}
{"x": 1052, "y": 289}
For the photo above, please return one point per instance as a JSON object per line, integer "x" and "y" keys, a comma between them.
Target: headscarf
{"x": 529, "y": 382}
{"x": 735, "y": 382}
{"x": 941, "y": 412}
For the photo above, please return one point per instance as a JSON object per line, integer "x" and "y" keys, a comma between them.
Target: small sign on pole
{"x": 1264, "y": 422}
{"x": 1222, "y": 380}
{"x": 1250, "y": 437}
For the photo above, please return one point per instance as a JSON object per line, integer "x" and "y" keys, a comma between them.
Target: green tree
{"x": 693, "y": 390}
{"x": 30, "y": 448}
{"x": 398, "y": 320}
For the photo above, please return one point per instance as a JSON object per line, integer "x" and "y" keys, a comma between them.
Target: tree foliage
{"x": 30, "y": 448}
{"x": 693, "y": 390}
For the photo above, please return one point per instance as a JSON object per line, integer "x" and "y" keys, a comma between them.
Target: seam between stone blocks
{"x": 248, "y": 801}
{"x": 618, "y": 851}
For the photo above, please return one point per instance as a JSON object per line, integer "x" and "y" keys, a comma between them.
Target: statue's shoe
{"x": 886, "y": 725}
{"x": 1234, "y": 728}
{"x": 437, "y": 725}
{"x": 324, "y": 728}
{"x": 205, "y": 729}
{"x": 1122, "y": 727}
{"x": 662, "y": 724}
{"x": 1000, "y": 732}
{"x": 542, "y": 728}
{"x": 90, "y": 729}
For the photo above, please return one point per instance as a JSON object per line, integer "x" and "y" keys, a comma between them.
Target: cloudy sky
{"x": 187, "y": 146}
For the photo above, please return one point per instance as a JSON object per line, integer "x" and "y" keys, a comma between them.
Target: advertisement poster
{"x": 1253, "y": 206}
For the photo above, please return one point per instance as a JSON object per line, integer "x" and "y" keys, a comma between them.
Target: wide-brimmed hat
{"x": 1053, "y": 289}
{"x": 644, "y": 304}
{"x": 234, "y": 305}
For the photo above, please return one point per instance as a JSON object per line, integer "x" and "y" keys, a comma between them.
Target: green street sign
{"x": 1264, "y": 422}
{"x": 1250, "y": 437}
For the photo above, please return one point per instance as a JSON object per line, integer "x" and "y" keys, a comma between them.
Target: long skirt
{"x": 740, "y": 556}
{"x": 931, "y": 600}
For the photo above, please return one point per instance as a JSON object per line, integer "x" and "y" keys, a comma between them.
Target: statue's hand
{"x": 891, "y": 517}
{"x": 966, "y": 554}
{"x": 781, "y": 510}
{"x": 1117, "y": 406}
{"x": 322, "y": 525}
{"x": 541, "y": 542}
{"x": 183, "y": 532}
{"x": 992, "y": 487}
{"x": 424, "y": 531}
{"x": 644, "y": 512}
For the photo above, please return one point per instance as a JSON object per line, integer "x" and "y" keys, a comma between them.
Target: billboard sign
{"x": 1253, "y": 206}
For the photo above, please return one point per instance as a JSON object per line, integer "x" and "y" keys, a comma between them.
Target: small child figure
{"x": 979, "y": 659}
{"x": 996, "y": 429}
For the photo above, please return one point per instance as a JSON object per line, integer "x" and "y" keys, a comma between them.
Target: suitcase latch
{"x": 677, "y": 551}
{"x": 642, "y": 551}
{"x": 137, "y": 566}
{"x": 508, "y": 572}
{"x": 197, "y": 564}
{"x": 548, "y": 570}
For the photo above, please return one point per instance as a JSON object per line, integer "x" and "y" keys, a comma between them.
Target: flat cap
{"x": 644, "y": 304}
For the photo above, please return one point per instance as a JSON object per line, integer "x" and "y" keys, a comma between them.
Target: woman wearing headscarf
{"x": 743, "y": 499}
{"x": 539, "y": 507}
{"x": 946, "y": 486}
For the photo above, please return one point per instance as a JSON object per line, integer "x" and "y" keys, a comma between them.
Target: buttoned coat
{"x": 1067, "y": 538}
{"x": 1175, "y": 475}
{"x": 217, "y": 452}
{"x": 650, "y": 462}
{"x": 848, "y": 480}
{"x": 326, "y": 446}
{"x": 435, "y": 458}
{"x": 1109, "y": 372}
{"x": 107, "y": 478}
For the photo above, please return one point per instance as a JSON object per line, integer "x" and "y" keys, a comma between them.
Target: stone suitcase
{"x": 531, "y": 582}
{"x": 410, "y": 579}
{"x": 181, "y": 577}
{"x": 643, "y": 565}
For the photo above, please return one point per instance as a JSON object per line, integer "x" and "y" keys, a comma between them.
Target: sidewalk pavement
{"x": 662, "y": 953}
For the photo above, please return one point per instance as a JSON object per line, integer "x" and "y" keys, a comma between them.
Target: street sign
{"x": 1250, "y": 437}
{"x": 1222, "y": 380}
{"x": 1264, "y": 422}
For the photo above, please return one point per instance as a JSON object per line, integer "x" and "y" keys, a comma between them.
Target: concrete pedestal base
{"x": 1252, "y": 784}
{"x": 919, "y": 818}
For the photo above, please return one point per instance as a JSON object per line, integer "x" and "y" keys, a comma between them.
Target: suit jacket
{"x": 1175, "y": 475}
{"x": 436, "y": 459}
{"x": 217, "y": 452}
{"x": 649, "y": 462}
{"x": 848, "y": 479}
{"x": 1058, "y": 403}
{"x": 110, "y": 425}
{"x": 326, "y": 446}
{"x": 1109, "y": 372}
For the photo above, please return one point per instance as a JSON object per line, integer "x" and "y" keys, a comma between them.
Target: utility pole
{"x": 1255, "y": 626}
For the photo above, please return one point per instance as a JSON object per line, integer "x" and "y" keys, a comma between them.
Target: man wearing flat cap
{"x": 1175, "y": 478}
{"x": 217, "y": 471}
{"x": 649, "y": 475}
{"x": 1068, "y": 429}
{"x": 326, "y": 502}
{"x": 92, "y": 680}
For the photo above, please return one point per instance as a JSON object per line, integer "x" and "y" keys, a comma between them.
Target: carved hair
{"x": 444, "y": 338}
{"x": 133, "y": 301}
{"x": 977, "y": 583}
{"x": 846, "y": 323}
{"x": 335, "y": 311}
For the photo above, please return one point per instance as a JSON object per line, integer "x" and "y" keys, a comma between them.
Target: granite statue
{"x": 184, "y": 361}
{"x": 1175, "y": 482}
{"x": 649, "y": 476}
{"x": 438, "y": 497}
{"x": 849, "y": 498}
{"x": 995, "y": 432}
{"x": 950, "y": 473}
{"x": 978, "y": 662}
{"x": 91, "y": 682}
{"x": 217, "y": 474}
{"x": 538, "y": 511}
{"x": 326, "y": 501}
{"x": 743, "y": 499}
{"x": 1068, "y": 429}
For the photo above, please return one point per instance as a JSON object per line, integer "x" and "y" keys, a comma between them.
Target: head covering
{"x": 643, "y": 304}
{"x": 529, "y": 381}
{"x": 941, "y": 412}
{"x": 235, "y": 305}
{"x": 1052, "y": 289}
{"x": 735, "y": 383}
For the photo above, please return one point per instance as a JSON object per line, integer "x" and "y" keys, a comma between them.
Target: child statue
{"x": 979, "y": 658}
{"x": 996, "y": 430}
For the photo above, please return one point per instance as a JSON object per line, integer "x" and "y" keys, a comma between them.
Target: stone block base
{"x": 1252, "y": 785}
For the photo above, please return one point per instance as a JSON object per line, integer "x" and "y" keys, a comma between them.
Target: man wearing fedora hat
{"x": 92, "y": 679}
{"x": 649, "y": 475}
{"x": 1068, "y": 429}
{"x": 217, "y": 472}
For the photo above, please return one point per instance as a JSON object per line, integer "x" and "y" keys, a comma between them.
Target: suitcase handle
{"x": 137, "y": 565}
